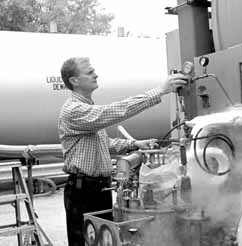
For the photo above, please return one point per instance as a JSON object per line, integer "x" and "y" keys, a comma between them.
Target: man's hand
{"x": 146, "y": 144}
{"x": 172, "y": 82}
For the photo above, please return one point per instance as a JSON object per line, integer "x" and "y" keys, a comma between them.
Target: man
{"x": 86, "y": 144}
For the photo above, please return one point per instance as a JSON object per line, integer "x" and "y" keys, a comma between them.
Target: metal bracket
{"x": 197, "y": 3}
{"x": 204, "y": 95}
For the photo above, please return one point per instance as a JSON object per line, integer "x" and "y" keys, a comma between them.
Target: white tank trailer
{"x": 33, "y": 91}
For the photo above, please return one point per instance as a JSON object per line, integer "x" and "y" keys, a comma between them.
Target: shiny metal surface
{"x": 32, "y": 91}
{"x": 226, "y": 23}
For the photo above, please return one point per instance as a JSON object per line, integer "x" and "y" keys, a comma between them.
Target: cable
{"x": 228, "y": 142}
{"x": 219, "y": 83}
{"x": 195, "y": 151}
{"x": 221, "y": 86}
{"x": 222, "y": 137}
{"x": 211, "y": 138}
{"x": 172, "y": 129}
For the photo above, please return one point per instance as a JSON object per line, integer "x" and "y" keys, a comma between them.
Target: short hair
{"x": 70, "y": 68}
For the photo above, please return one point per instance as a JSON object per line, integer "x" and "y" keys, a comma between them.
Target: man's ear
{"x": 73, "y": 81}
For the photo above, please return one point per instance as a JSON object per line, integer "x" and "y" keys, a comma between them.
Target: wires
{"x": 211, "y": 138}
{"x": 172, "y": 129}
{"x": 224, "y": 139}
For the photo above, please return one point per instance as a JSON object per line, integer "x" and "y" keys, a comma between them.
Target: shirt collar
{"x": 82, "y": 98}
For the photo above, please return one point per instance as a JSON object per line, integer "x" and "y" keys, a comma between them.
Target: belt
{"x": 89, "y": 179}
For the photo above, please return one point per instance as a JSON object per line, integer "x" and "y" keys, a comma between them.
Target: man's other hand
{"x": 146, "y": 144}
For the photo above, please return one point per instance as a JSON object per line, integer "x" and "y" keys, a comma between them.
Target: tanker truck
{"x": 33, "y": 91}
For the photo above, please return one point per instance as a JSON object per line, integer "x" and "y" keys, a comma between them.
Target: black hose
{"x": 172, "y": 129}
{"x": 227, "y": 141}
{"x": 211, "y": 138}
{"x": 222, "y": 137}
{"x": 195, "y": 151}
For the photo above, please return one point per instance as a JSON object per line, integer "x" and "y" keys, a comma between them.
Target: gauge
{"x": 188, "y": 67}
{"x": 107, "y": 238}
{"x": 203, "y": 61}
{"x": 90, "y": 233}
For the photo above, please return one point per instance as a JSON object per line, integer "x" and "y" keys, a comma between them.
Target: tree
{"x": 19, "y": 15}
{"x": 71, "y": 16}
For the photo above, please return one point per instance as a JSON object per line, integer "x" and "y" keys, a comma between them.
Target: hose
{"x": 49, "y": 183}
{"x": 227, "y": 141}
{"x": 222, "y": 137}
{"x": 172, "y": 129}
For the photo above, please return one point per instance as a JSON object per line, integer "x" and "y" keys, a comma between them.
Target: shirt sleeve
{"x": 91, "y": 118}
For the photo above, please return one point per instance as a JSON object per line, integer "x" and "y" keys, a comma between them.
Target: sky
{"x": 142, "y": 16}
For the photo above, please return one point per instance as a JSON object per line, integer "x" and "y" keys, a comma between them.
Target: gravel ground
{"x": 50, "y": 211}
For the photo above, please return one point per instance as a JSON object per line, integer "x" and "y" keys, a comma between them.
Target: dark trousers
{"x": 84, "y": 194}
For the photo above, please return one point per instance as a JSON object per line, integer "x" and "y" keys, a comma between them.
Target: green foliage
{"x": 71, "y": 16}
{"x": 19, "y": 15}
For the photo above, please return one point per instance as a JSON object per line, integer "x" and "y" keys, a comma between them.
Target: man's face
{"x": 87, "y": 78}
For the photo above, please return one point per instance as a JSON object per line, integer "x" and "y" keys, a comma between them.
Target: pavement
{"x": 51, "y": 218}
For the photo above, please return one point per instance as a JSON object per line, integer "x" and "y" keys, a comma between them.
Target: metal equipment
{"x": 150, "y": 212}
{"x": 144, "y": 215}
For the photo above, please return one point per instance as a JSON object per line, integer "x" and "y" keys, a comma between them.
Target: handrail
{"x": 36, "y": 151}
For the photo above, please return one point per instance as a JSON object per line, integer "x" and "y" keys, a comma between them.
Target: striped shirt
{"x": 85, "y": 143}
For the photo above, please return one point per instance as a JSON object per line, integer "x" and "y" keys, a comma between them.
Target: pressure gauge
{"x": 188, "y": 67}
{"x": 90, "y": 233}
{"x": 106, "y": 237}
{"x": 203, "y": 61}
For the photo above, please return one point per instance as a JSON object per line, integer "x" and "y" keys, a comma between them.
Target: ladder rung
{"x": 10, "y": 231}
{"x": 12, "y": 198}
